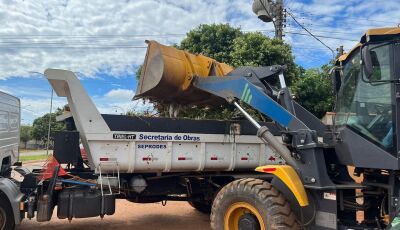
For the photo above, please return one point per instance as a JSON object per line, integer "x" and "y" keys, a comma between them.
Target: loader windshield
{"x": 366, "y": 107}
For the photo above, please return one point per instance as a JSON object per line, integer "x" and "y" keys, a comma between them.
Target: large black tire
{"x": 6, "y": 215}
{"x": 270, "y": 205}
{"x": 203, "y": 207}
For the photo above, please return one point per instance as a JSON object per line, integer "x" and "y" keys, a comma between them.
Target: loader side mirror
{"x": 336, "y": 78}
{"x": 376, "y": 62}
{"x": 367, "y": 61}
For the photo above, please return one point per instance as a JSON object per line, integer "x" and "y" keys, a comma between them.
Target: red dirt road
{"x": 174, "y": 216}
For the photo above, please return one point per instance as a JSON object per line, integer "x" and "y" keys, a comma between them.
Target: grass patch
{"x": 33, "y": 157}
{"x": 33, "y": 150}
{"x": 25, "y": 150}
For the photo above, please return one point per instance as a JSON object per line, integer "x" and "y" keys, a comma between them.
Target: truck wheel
{"x": 6, "y": 215}
{"x": 251, "y": 204}
{"x": 202, "y": 207}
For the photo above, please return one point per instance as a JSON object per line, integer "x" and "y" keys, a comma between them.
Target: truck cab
{"x": 9, "y": 131}
{"x": 366, "y": 101}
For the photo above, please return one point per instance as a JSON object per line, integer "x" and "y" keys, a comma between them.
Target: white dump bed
{"x": 156, "y": 151}
{"x": 178, "y": 152}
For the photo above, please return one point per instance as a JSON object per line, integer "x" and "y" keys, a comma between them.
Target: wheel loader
{"x": 341, "y": 176}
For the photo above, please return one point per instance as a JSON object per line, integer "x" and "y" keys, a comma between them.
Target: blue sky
{"x": 103, "y": 41}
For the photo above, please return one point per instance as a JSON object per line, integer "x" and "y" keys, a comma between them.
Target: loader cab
{"x": 365, "y": 85}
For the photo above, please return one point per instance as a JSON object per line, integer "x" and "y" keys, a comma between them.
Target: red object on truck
{"x": 48, "y": 169}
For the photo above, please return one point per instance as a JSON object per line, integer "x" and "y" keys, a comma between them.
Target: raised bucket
{"x": 167, "y": 75}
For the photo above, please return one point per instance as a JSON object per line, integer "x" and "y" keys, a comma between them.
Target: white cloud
{"x": 33, "y": 108}
{"x": 119, "y": 95}
{"x": 89, "y": 37}
{"x": 101, "y": 36}
{"x": 344, "y": 22}
{"x": 117, "y": 101}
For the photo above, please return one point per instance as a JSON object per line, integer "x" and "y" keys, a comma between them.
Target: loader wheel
{"x": 251, "y": 204}
{"x": 6, "y": 215}
{"x": 202, "y": 207}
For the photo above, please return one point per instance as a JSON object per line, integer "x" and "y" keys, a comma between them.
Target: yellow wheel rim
{"x": 237, "y": 210}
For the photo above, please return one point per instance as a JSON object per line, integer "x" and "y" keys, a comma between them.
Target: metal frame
{"x": 303, "y": 140}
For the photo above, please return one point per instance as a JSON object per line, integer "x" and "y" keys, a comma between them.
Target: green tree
{"x": 215, "y": 41}
{"x": 313, "y": 91}
{"x": 41, "y": 124}
{"x": 256, "y": 49}
{"x": 227, "y": 44}
{"x": 26, "y": 134}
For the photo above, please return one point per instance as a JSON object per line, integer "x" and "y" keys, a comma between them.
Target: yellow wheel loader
{"x": 314, "y": 189}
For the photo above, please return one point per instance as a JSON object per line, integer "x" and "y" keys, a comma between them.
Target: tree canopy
{"x": 41, "y": 124}
{"x": 26, "y": 134}
{"x": 215, "y": 41}
{"x": 313, "y": 91}
{"x": 256, "y": 49}
{"x": 230, "y": 45}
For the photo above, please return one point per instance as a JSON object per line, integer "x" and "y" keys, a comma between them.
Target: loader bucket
{"x": 167, "y": 75}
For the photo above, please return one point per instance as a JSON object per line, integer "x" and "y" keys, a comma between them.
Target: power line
{"x": 346, "y": 17}
{"x": 329, "y": 31}
{"x": 90, "y": 36}
{"x": 33, "y": 41}
{"x": 98, "y": 36}
{"x": 288, "y": 3}
{"x": 298, "y": 31}
{"x": 354, "y": 24}
{"x": 301, "y": 25}
{"x": 322, "y": 36}
{"x": 71, "y": 47}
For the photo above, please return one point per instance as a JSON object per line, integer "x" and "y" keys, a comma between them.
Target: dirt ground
{"x": 174, "y": 216}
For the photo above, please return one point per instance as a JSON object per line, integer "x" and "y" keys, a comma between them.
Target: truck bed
{"x": 131, "y": 144}
{"x": 141, "y": 144}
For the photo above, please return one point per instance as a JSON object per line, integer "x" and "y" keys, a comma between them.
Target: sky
{"x": 103, "y": 41}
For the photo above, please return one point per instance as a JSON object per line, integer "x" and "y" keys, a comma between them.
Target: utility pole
{"x": 279, "y": 19}
{"x": 340, "y": 51}
{"x": 269, "y": 11}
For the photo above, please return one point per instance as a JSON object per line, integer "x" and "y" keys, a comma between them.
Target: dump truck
{"x": 291, "y": 173}
{"x": 140, "y": 159}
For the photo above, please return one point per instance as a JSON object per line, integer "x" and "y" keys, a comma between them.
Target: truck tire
{"x": 202, "y": 207}
{"x": 6, "y": 215}
{"x": 251, "y": 204}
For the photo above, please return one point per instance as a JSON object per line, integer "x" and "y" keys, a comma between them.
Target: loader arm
{"x": 303, "y": 140}
{"x": 239, "y": 88}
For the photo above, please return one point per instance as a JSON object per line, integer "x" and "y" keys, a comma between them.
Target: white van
{"x": 10, "y": 117}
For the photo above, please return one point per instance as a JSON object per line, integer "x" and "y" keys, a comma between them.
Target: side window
{"x": 367, "y": 107}
{"x": 351, "y": 72}
{"x": 3, "y": 121}
{"x": 380, "y": 62}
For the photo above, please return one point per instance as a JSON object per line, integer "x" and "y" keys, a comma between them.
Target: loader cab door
{"x": 365, "y": 107}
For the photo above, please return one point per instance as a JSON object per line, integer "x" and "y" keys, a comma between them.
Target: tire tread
{"x": 278, "y": 210}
